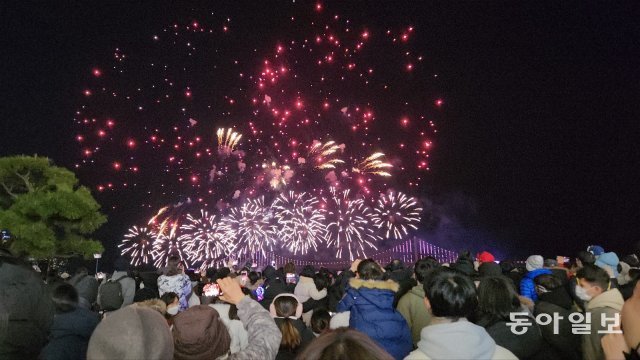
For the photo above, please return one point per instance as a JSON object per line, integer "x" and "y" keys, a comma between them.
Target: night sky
{"x": 537, "y": 142}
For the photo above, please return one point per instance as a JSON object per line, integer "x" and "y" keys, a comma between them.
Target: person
{"x": 72, "y": 326}
{"x": 397, "y": 272}
{"x": 273, "y": 286}
{"x": 229, "y": 316}
{"x": 174, "y": 280}
{"x": 127, "y": 283}
{"x": 87, "y": 287}
{"x": 133, "y": 332}
{"x": 369, "y": 299}
{"x": 255, "y": 281}
{"x": 585, "y": 258}
{"x": 286, "y": 311}
{"x": 26, "y": 309}
{"x": 534, "y": 266}
{"x": 497, "y": 301}
{"x": 596, "y": 250}
{"x": 626, "y": 345}
{"x": 320, "y": 321}
{"x": 411, "y": 305}
{"x": 306, "y": 288}
{"x": 601, "y": 301}
{"x": 609, "y": 262}
{"x": 451, "y": 298}
{"x": 344, "y": 344}
{"x": 172, "y": 302}
{"x": 554, "y": 300}
{"x": 464, "y": 263}
{"x": 560, "y": 272}
{"x": 485, "y": 257}
{"x": 198, "y": 333}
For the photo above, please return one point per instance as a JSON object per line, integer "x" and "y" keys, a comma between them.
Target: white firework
{"x": 204, "y": 240}
{"x": 137, "y": 245}
{"x": 164, "y": 247}
{"x": 396, "y": 213}
{"x": 250, "y": 228}
{"x": 349, "y": 226}
{"x": 300, "y": 222}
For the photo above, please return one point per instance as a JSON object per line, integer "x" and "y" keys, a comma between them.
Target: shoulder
{"x": 416, "y": 355}
{"x": 503, "y": 354}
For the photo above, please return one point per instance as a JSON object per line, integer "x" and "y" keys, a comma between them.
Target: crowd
{"x": 587, "y": 307}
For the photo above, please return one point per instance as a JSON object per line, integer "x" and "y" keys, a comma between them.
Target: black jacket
{"x": 565, "y": 344}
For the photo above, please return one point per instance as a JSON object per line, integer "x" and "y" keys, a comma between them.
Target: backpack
{"x": 110, "y": 293}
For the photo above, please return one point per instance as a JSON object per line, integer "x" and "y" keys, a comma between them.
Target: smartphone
{"x": 259, "y": 293}
{"x": 211, "y": 289}
{"x": 244, "y": 278}
{"x": 100, "y": 275}
{"x": 291, "y": 278}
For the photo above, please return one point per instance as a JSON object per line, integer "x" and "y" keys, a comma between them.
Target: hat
{"x": 272, "y": 307}
{"x": 485, "y": 257}
{"x": 610, "y": 260}
{"x": 489, "y": 269}
{"x": 199, "y": 333}
{"x": 534, "y": 262}
{"x": 596, "y": 250}
{"x": 133, "y": 332}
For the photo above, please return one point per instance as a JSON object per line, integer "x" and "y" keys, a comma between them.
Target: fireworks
{"x": 320, "y": 153}
{"x": 166, "y": 246}
{"x": 300, "y": 222}
{"x": 396, "y": 213}
{"x": 349, "y": 226}
{"x": 250, "y": 228}
{"x": 373, "y": 165}
{"x": 227, "y": 141}
{"x": 138, "y": 244}
{"x": 203, "y": 240}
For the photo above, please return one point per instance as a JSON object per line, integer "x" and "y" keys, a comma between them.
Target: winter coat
{"x": 528, "y": 287}
{"x": 70, "y": 334}
{"x": 412, "y": 308}
{"x": 239, "y": 335}
{"x": 179, "y": 284}
{"x": 305, "y": 334}
{"x": 127, "y": 284}
{"x": 87, "y": 288}
{"x": 262, "y": 330}
{"x": 606, "y": 304}
{"x": 525, "y": 346}
{"x": 26, "y": 310}
{"x": 306, "y": 289}
{"x": 370, "y": 303}
{"x": 273, "y": 288}
{"x": 458, "y": 340}
{"x": 564, "y": 343}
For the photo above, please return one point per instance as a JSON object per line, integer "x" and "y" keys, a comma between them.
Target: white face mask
{"x": 581, "y": 293}
{"x": 173, "y": 310}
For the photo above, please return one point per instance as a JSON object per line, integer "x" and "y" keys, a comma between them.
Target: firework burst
{"x": 301, "y": 223}
{"x": 349, "y": 226}
{"x": 374, "y": 165}
{"x": 227, "y": 140}
{"x": 138, "y": 245}
{"x": 203, "y": 239}
{"x": 396, "y": 213}
{"x": 250, "y": 227}
{"x": 166, "y": 246}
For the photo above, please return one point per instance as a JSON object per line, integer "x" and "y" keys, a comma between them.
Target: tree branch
{"x": 25, "y": 178}
{"x": 8, "y": 190}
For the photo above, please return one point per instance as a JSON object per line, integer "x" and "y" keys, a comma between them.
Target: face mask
{"x": 581, "y": 293}
{"x": 173, "y": 310}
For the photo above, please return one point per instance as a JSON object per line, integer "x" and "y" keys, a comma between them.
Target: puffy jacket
{"x": 179, "y": 284}
{"x": 606, "y": 304}
{"x": 70, "y": 334}
{"x": 528, "y": 287}
{"x": 412, "y": 308}
{"x": 306, "y": 289}
{"x": 370, "y": 303}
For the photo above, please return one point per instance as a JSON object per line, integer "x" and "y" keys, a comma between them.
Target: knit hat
{"x": 199, "y": 333}
{"x": 485, "y": 257}
{"x": 534, "y": 262}
{"x": 609, "y": 260}
{"x": 133, "y": 332}
{"x": 596, "y": 250}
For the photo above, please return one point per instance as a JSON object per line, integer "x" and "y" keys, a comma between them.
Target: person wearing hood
{"x": 594, "y": 288}
{"x": 464, "y": 264}
{"x": 72, "y": 326}
{"x": 534, "y": 265}
{"x": 286, "y": 311}
{"x": 369, "y": 300}
{"x": 274, "y": 285}
{"x": 411, "y": 305}
{"x": 450, "y": 298}
{"x": 553, "y": 299}
{"x": 609, "y": 262}
{"x": 86, "y": 286}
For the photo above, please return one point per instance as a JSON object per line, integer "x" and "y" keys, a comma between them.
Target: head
{"x": 290, "y": 268}
{"x": 81, "y": 270}
{"x": 65, "y": 298}
{"x": 155, "y": 304}
{"x": 369, "y": 270}
{"x": 198, "y": 333}
{"x": 497, "y": 298}
{"x": 308, "y": 271}
{"x": 344, "y": 344}
{"x": 596, "y": 250}
{"x": 549, "y": 263}
{"x": 485, "y": 256}
{"x": 121, "y": 264}
{"x": 133, "y": 332}
{"x": 172, "y": 301}
{"x": 173, "y": 266}
{"x": 450, "y": 294}
{"x": 489, "y": 269}
{"x": 534, "y": 262}
{"x": 546, "y": 283}
{"x": 585, "y": 258}
{"x": 321, "y": 281}
{"x": 423, "y": 266}
{"x": 592, "y": 281}
{"x": 394, "y": 265}
{"x": 506, "y": 266}
{"x": 253, "y": 277}
{"x": 320, "y": 320}
{"x": 287, "y": 307}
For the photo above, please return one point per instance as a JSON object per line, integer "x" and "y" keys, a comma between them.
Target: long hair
{"x": 497, "y": 298}
{"x": 286, "y": 306}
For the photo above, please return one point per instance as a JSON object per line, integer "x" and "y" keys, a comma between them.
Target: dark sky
{"x": 539, "y": 131}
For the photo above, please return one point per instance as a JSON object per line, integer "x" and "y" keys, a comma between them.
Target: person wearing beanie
{"x": 133, "y": 332}
{"x": 198, "y": 334}
{"x": 485, "y": 257}
{"x": 534, "y": 265}
{"x": 609, "y": 262}
{"x": 596, "y": 250}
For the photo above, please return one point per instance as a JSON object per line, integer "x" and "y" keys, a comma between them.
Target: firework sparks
{"x": 301, "y": 223}
{"x": 138, "y": 245}
{"x": 250, "y": 226}
{"x": 166, "y": 246}
{"x": 396, "y": 213}
{"x": 373, "y": 165}
{"x": 204, "y": 240}
{"x": 228, "y": 140}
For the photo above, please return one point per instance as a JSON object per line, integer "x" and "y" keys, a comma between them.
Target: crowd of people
{"x": 587, "y": 307}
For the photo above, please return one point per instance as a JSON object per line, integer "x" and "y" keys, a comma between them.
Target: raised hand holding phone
{"x": 232, "y": 293}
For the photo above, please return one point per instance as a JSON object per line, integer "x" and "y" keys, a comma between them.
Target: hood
{"x": 374, "y": 292}
{"x": 611, "y": 298}
{"x": 609, "y": 260}
{"x": 464, "y": 265}
{"x": 269, "y": 272}
{"x": 559, "y": 297}
{"x": 418, "y": 291}
{"x": 457, "y": 340}
{"x": 79, "y": 322}
{"x": 535, "y": 273}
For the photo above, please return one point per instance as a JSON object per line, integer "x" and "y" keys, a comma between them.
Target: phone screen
{"x": 291, "y": 278}
{"x": 212, "y": 289}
